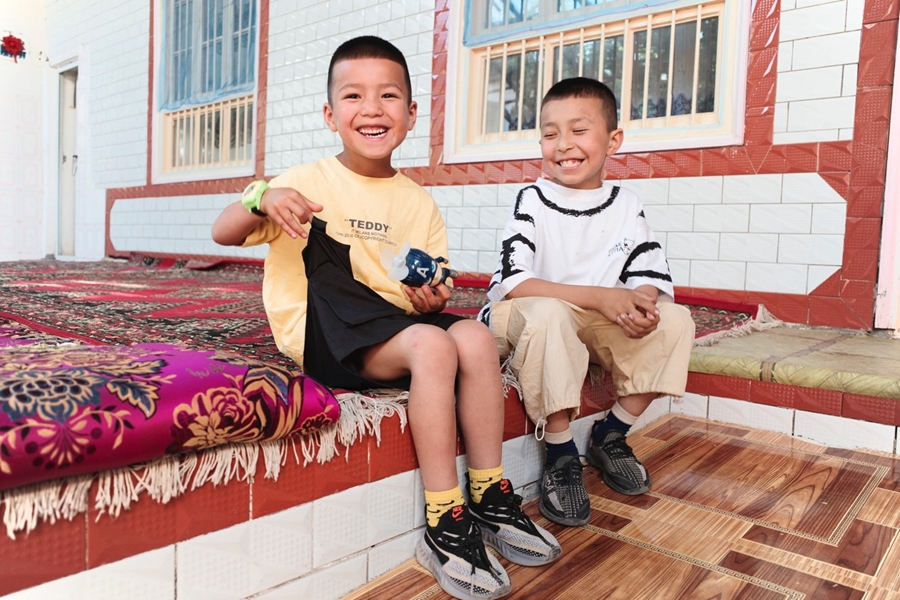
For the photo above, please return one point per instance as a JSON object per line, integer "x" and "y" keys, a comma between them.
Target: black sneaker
{"x": 455, "y": 554}
{"x": 621, "y": 469}
{"x": 564, "y": 499}
{"x": 509, "y": 530}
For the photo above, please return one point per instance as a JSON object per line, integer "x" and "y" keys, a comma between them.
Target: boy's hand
{"x": 427, "y": 299}
{"x": 633, "y": 311}
{"x": 288, "y": 208}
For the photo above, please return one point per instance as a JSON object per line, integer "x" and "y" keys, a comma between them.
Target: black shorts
{"x": 344, "y": 317}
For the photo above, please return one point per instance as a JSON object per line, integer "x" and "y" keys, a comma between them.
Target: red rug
{"x": 210, "y": 306}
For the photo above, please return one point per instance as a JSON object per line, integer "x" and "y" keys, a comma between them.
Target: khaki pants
{"x": 552, "y": 341}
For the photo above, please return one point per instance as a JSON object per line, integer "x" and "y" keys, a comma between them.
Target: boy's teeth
{"x": 569, "y": 163}
{"x": 372, "y": 131}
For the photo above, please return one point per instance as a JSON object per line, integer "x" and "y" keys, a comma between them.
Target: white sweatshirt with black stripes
{"x": 596, "y": 237}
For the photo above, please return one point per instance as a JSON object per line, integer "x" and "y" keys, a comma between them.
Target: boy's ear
{"x": 615, "y": 141}
{"x": 413, "y": 111}
{"x": 328, "y": 113}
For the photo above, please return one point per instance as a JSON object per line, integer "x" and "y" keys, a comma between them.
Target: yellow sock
{"x": 482, "y": 479}
{"x": 437, "y": 503}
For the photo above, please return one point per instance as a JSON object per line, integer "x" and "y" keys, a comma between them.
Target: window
{"x": 207, "y": 87}
{"x": 664, "y": 64}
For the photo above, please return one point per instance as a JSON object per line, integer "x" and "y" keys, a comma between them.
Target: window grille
{"x": 662, "y": 67}
{"x": 208, "y": 76}
{"x": 214, "y": 135}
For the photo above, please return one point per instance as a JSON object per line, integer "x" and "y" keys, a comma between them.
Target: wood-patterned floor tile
{"x": 809, "y": 494}
{"x": 883, "y": 508}
{"x": 733, "y": 513}
{"x": 812, "y": 587}
{"x": 861, "y": 549}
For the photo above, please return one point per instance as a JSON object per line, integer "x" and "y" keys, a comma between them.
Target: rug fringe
{"x": 28, "y": 505}
{"x": 764, "y": 320}
{"x": 171, "y": 476}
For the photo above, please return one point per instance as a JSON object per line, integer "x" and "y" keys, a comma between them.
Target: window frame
{"x": 462, "y": 115}
{"x": 160, "y": 173}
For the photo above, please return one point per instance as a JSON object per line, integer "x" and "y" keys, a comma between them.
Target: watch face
{"x": 251, "y": 189}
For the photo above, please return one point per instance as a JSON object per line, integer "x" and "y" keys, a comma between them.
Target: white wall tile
{"x": 760, "y": 416}
{"x": 806, "y": 188}
{"x": 657, "y": 409}
{"x": 692, "y": 405}
{"x": 848, "y": 83}
{"x": 826, "y": 113}
{"x": 718, "y": 274}
{"x": 780, "y": 218}
{"x": 811, "y": 249}
{"x": 817, "y": 276}
{"x": 340, "y": 523}
{"x": 752, "y": 189}
{"x": 681, "y": 271}
{"x": 855, "y": 14}
{"x": 522, "y": 460}
{"x": 676, "y": 217}
{"x": 390, "y": 507}
{"x": 749, "y": 247}
{"x": 246, "y": 558}
{"x": 780, "y": 278}
{"x": 839, "y": 432}
{"x": 331, "y": 583}
{"x": 650, "y": 191}
{"x": 829, "y": 218}
{"x": 722, "y": 217}
{"x": 785, "y": 56}
{"x": 824, "y": 82}
{"x": 826, "y": 50}
{"x": 386, "y": 556}
{"x": 806, "y": 137}
{"x": 813, "y": 21}
{"x": 700, "y": 246}
{"x": 695, "y": 190}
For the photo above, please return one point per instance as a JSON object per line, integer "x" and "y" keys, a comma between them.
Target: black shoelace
{"x": 470, "y": 547}
{"x": 618, "y": 449}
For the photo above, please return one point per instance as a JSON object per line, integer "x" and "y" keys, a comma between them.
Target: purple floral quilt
{"x": 73, "y": 409}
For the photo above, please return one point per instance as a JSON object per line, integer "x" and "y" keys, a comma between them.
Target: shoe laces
{"x": 618, "y": 448}
{"x": 470, "y": 547}
{"x": 568, "y": 474}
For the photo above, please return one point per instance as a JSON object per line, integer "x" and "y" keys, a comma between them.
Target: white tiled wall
{"x": 178, "y": 224}
{"x": 817, "y": 67}
{"x": 22, "y": 217}
{"x": 302, "y": 37}
{"x": 116, "y": 35}
{"x": 767, "y": 233}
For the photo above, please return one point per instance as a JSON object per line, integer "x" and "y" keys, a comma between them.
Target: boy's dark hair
{"x": 585, "y": 87}
{"x": 369, "y": 46}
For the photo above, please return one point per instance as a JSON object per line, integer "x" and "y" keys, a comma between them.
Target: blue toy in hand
{"x": 415, "y": 267}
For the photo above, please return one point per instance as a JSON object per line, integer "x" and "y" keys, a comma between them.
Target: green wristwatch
{"x": 253, "y": 195}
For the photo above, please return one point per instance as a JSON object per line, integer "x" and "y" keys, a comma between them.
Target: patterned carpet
{"x": 205, "y": 306}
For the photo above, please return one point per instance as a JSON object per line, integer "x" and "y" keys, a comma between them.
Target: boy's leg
{"x": 550, "y": 363}
{"x": 480, "y": 407}
{"x": 642, "y": 370}
{"x": 452, "y": 548}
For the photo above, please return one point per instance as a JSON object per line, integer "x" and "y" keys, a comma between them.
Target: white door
{"x": 68, "y": 163}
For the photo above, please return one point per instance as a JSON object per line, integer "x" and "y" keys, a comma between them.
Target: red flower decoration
{"x": 13, "y": 46}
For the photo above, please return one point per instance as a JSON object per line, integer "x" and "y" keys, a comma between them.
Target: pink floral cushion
{"x": 70, "y": 410}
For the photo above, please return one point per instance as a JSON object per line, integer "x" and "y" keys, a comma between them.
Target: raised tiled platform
{"x": 765, "y": 380}
{"x": 828, "y": 371}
